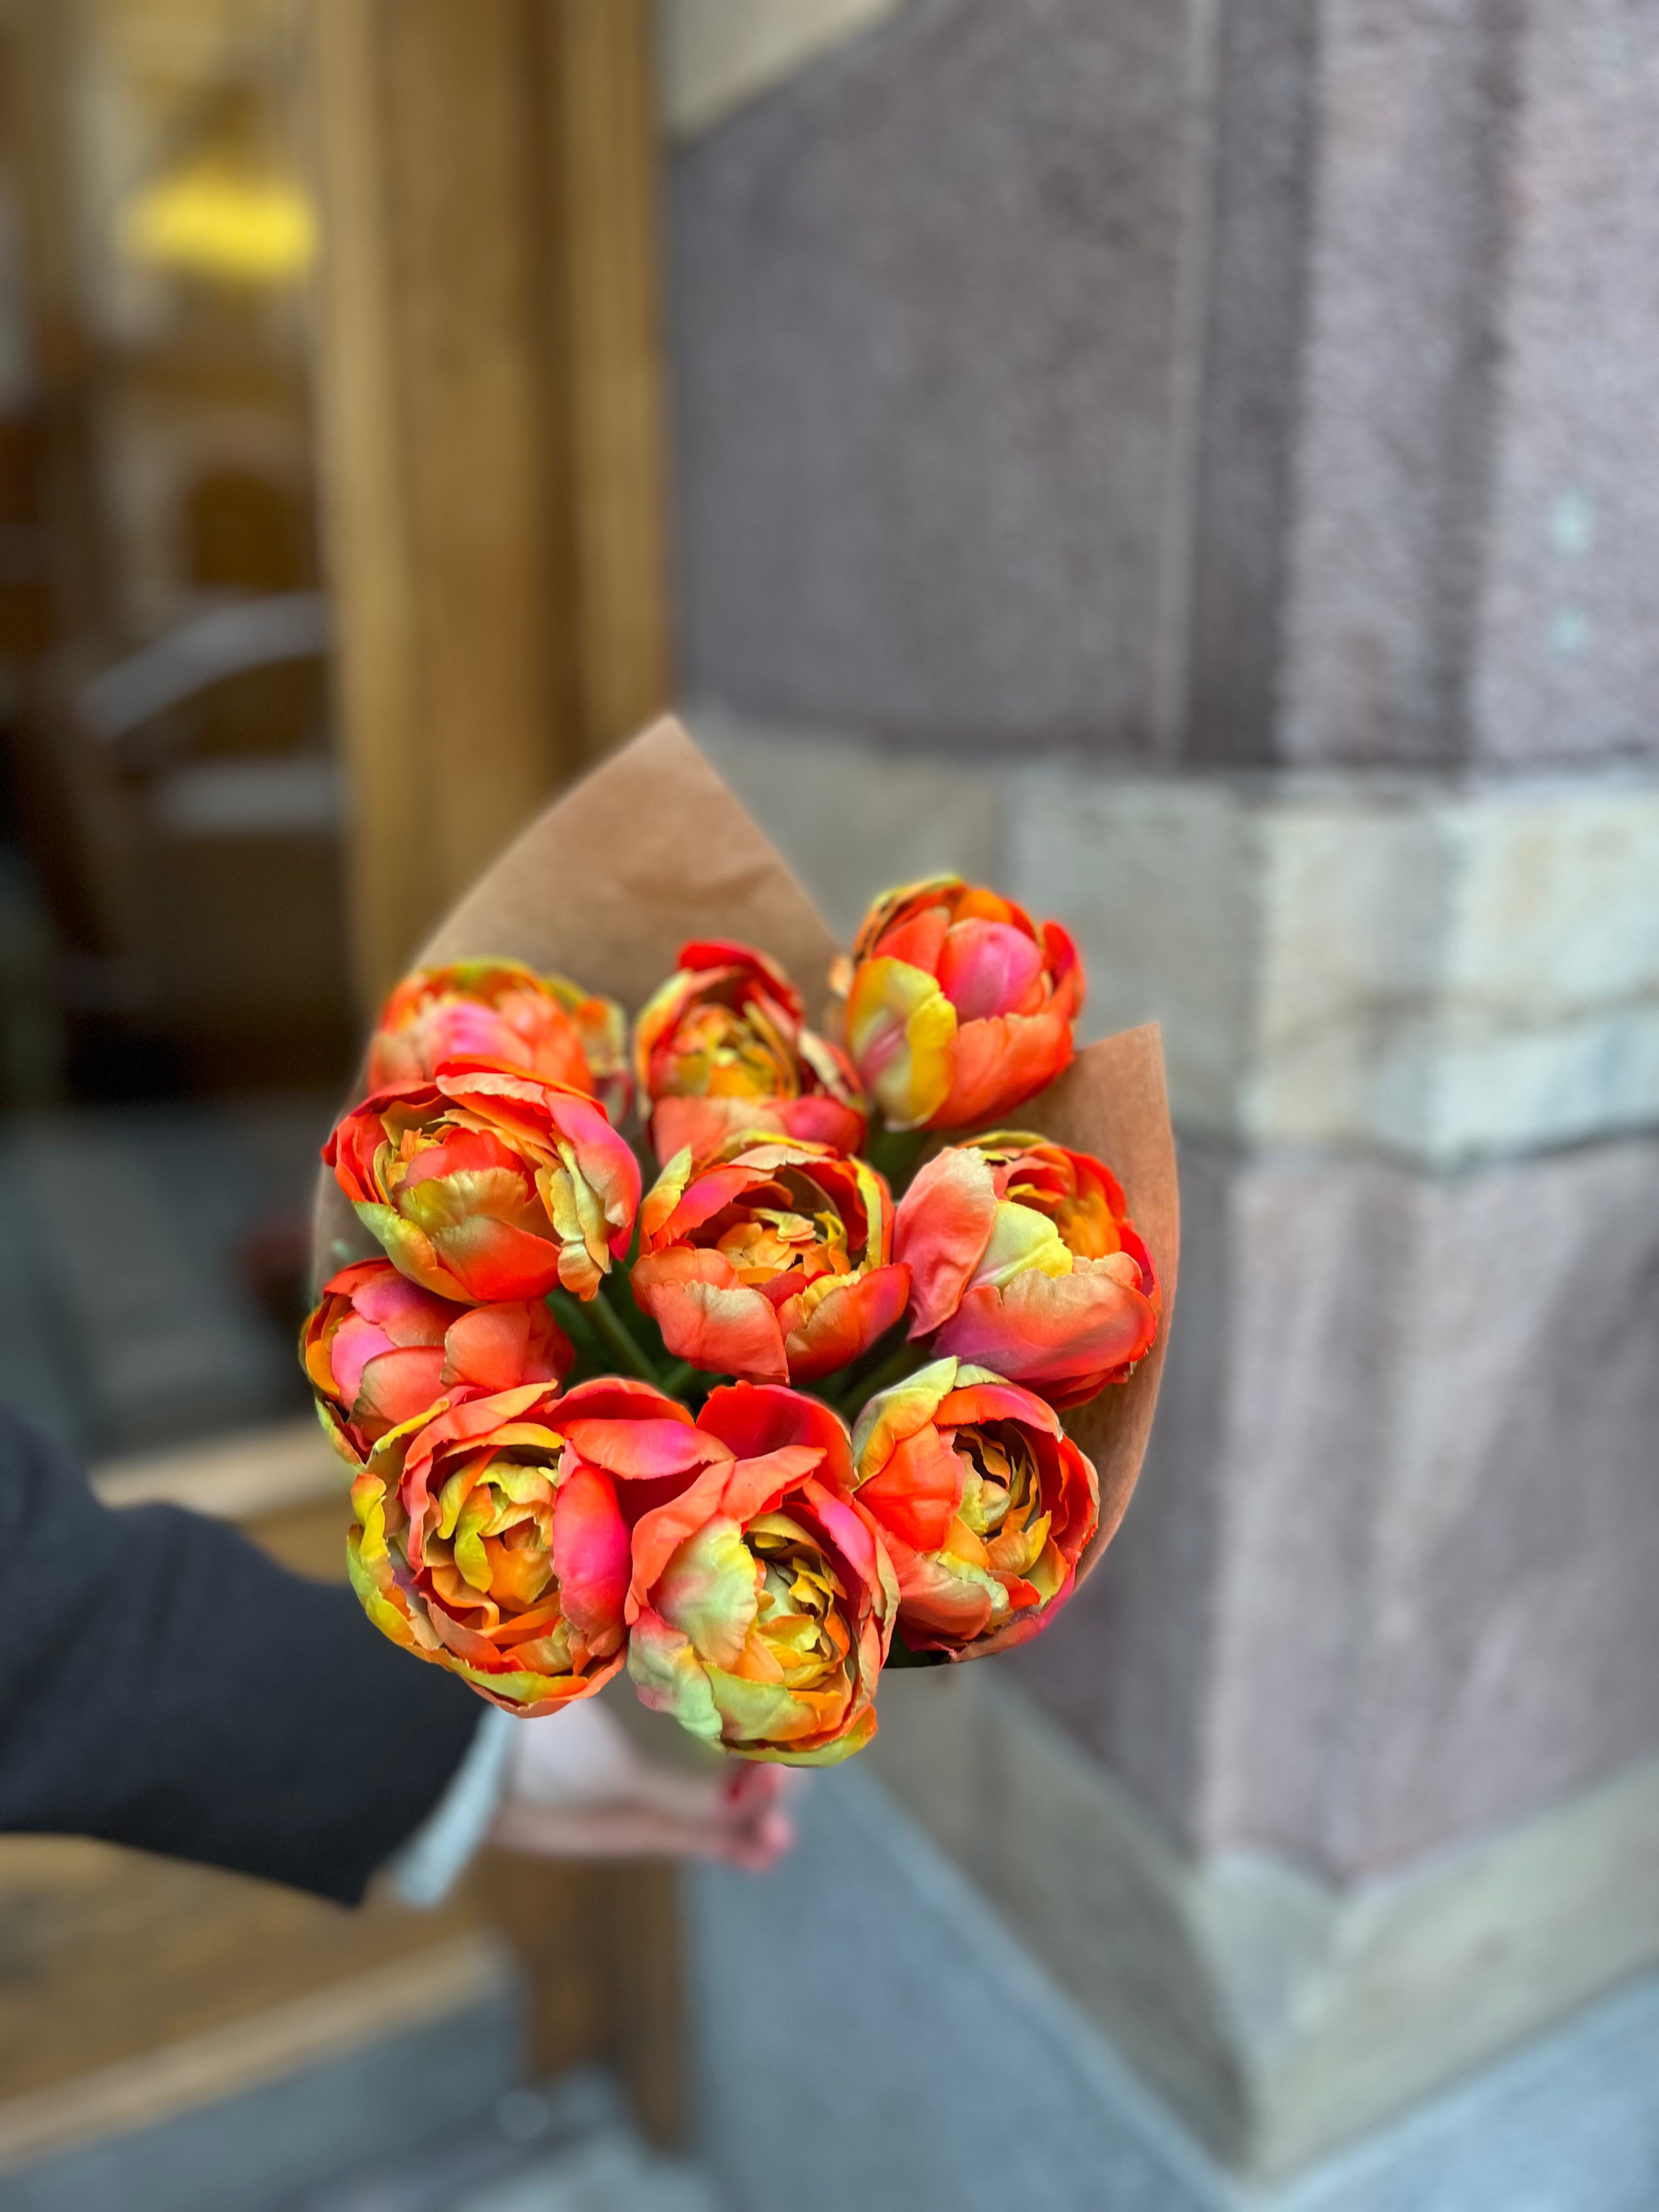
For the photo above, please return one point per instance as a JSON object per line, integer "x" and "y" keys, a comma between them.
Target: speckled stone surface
{"x": 1389, "y": 1577}
{"x": 924, "y": 305}
{"x": 924, "y": 2061}
{"x": 1243, "y": 384}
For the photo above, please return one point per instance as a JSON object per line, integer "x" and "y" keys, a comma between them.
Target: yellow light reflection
{"x": 211, "y": 220}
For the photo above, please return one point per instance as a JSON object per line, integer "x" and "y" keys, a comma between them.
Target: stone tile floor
{"x": 141, "y": 1245}
{"x": 565, "y": 2146}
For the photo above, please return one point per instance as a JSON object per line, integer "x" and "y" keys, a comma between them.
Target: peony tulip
{"x": 1022, "y": 1261}
{"x": 380, "y": 1351}
{"x": 984, "y": 1503}
{"x": 492, "y": 1536}
{"x": 484, "y": 1185}
{"x": 501, "y": 1010}
{"x": 722, "y": 1049}
{"x": 761, "y": 1601}
{"x": 772, "y": 1261}
{"x": 957, "y": 1006}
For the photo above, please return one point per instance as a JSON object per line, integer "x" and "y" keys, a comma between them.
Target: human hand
{"x": 578, "y": 1788}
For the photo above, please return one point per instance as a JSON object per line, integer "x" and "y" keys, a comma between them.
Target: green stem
{"x": 572, "y": 1316}
{"x": 619, "y": 1341}
{"x": 675, "y": 1378}
{"x": 894, "y": 1153}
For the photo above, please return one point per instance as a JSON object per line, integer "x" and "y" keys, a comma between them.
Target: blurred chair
{"x": 185, "y": 810}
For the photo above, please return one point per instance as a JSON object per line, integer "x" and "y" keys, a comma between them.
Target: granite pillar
{"x": 1191, "y": 455}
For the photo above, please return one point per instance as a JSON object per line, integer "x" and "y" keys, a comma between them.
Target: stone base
{"x": 870, "y": 2035}
{"x": 1387, "y": 1581}
{"x": 1278, "y": 2015}
{"x": 1439, "y": 969}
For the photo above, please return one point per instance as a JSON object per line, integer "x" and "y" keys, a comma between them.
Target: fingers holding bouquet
{"x": 658, "y": 1370}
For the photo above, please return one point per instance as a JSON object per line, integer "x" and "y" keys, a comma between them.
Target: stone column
{"x": 1197, "y": 456}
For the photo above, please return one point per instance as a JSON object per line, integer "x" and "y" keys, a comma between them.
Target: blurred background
{"x": 1194, "y": 465}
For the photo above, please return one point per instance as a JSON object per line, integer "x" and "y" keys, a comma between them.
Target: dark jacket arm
{"x": 163, "y": 1684}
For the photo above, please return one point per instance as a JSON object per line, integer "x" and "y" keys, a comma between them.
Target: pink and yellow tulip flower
{"x": 492, "y": 1535}
{"x": 957, "y": 1007}
{"x": 762, "y": 1600}
{"x": 773, "y": 1261}
{"x": 722, "y": 1049}
{"x": 380, "y": 1351}
{"x": 984, "y": 1503}
{"x": 1022, "y": 1260}
{"x": 502, "y": 1010}
{"x": 483, "y": 1185}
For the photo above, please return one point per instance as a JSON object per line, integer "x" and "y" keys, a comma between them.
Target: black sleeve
{"x": 165, "y": 1685}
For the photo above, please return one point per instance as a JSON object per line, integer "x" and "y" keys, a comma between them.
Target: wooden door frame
{"x": 490, "y": 367}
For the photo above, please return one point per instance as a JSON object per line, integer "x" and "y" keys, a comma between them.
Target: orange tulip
{"x": 483, "y": 1185}
{"x": 762, "y": 1599}
{"x": 773, "y": 1261}
{"x": 984, "y": 1503}
{"x": 502, "y": 1010}
{"x": 492, "y": 1536}
{"x": 1022, "y": 1260}
{"x": 722, "y": 1050}
{"x": 380, "y": 1351}
{"x": 958, "y": 1006}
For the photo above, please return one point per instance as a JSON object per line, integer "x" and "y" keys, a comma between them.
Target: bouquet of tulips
{"x": 752, "y": 1354}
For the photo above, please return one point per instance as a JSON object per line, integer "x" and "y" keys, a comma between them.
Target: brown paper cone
{"x": 1111, "y": 1102}
{"x": 652, "y": 849}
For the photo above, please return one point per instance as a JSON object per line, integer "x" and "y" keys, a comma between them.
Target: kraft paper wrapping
{"x": 652, "y": 849}
{"x": 1111, "y": 1102}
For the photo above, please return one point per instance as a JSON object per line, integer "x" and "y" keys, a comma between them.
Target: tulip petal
{"x": 398, "y": 1386}
{"x": 990, "y": 1399}
{"x": 755, "y": 1486}
{"x": 767, "y": 1712}
{"x": 917, "y": 1492}
{"x": 946, "y": 1599}
{"x": 410, "y": 1251}
{"x": 844, "y": 1321}
{"x": 708, "y": 1316}
{"x": 495, "y": 1347}
{"x": 998, "y": 1063}
{"x": 492, "y": 1261}
{"x": 406, "y": 1315}
{"x": 659, "y": 1534}
{"x": 701, "y": 1200}
{"x": 856, "y": 1534}
{"x": 988, "y": 967}
{"x": 817, "y": 1119}
{"x": 640, "y": 1450}
{"x": 670, "y": 1677}
{"x": 755, "y": 1420}
{"x": 901, "y": 1030}
{"x": 852, "y": 1739}
{"x": 940, "y": 1231}
{"x": 709, "y": 1591}
{"x": 898, "y": 1412}
{"x": 1043, "y": 1331}
{"x": 1022, "y": 1242}
{"x": 590, "y": 1552}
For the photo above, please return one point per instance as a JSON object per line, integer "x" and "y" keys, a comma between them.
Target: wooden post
{"x": 604, "y": 195}
{"x": 493, "y": 487}
{"x": 490, "y": 367}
